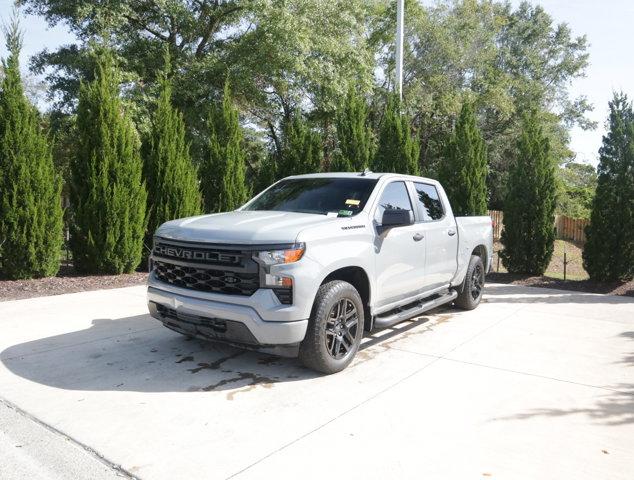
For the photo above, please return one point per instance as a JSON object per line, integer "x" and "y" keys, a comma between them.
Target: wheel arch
{"x": 359, "y": 279}
{"x": 482, "y": 252}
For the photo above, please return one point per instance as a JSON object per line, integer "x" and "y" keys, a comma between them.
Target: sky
{"x": 608, "y": 25}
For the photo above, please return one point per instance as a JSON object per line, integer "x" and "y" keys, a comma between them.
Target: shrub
{"x": 171, "y": 177}
{"x": 301, "y": 147}
{"x": 463, "y": 170}
{"x": 354, "y": 135}
{"x": 609, "y": 251}
{"x": 223, "y": 171}
{"x": 108, "y": 197}
{"x": 398, "y": 150}
{"x": 31, "y": 216}
{"x": 529, "y": 234}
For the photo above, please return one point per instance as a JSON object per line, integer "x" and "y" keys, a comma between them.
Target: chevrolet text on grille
{"x": 193, "y": 254}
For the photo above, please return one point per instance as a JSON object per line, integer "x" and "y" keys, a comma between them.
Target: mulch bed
{"x": 66, "y": 281}
{"x": 589, "y": 286}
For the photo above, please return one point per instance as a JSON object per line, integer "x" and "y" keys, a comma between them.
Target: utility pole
{"x": 400, "y": 14}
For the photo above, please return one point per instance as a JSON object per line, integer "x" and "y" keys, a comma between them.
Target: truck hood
{"x": 242, "y": 227}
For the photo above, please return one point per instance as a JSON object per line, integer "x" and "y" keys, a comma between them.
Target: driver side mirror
{"x": 393, "y": 217}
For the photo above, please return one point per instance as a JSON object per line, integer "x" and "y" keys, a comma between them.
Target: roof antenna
{"x": 365, "y": 172}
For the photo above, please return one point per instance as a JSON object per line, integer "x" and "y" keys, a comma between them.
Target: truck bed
{"x": 473, "y": 231}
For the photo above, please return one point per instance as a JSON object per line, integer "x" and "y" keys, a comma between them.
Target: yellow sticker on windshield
{"x": 352, "y": 201}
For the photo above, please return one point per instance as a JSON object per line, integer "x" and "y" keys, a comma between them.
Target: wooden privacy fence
{"x": 497, "y": 216}
{"x": 571, "y": 228}
{"x": 567, "y": 228}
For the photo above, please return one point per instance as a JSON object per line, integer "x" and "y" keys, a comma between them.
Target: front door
{"x": 399, "y": 251}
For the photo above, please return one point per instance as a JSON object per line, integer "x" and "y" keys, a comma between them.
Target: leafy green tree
{"x": 354, "y": 135}
{"x": 107, "y": 193}
{"x": 30, "y": 202}
{"x": 222, "y": 173}
{"x": 278, "y": 52}
{"x": 398, "y": 149}
{"x": 301, "y": 147}
{"x": 463, "y": 170}
{"x": 170, "y": 175}
{"x": 529, "y": 208}
{"x": 507, "y": 58}
{"x": 609, "y": 251}
{"x": 510, "y": 58}
{"x": 577, "y": 184}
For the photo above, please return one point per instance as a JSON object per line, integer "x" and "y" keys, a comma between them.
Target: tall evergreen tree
{"x": 354, "y": 135}
{"x": 30, "y": 203}
{"x": 398, "y": 150}
{"x": 266, "y": 173}
{"x": 108, "y": 196}
{"x": 529, "y": 208}
{"x": 463, "y": 170}
{"x": 223, "y": 179}
{"x": 301, "y": 147}
{"x": 171, "y": 177}
{"x": 609, "y": 250}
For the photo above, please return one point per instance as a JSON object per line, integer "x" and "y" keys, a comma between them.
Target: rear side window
{"x": 394, "y": 196}
{"x": 429, "y": 200}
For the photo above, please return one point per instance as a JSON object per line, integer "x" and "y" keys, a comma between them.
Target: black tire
{"x": 332, "y": 338}
{"x": 472, "y": 288}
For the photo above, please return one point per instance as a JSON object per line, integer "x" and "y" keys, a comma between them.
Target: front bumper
{"x": 219, "y": 320}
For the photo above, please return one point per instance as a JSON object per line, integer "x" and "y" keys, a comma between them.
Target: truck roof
{"x": 367, "y": 174}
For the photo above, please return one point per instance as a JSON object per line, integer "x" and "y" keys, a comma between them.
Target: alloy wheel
{"x": 477, "y": 282}
{"x": 341, "y": 328}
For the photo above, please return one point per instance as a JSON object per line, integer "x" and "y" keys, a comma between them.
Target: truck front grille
{"x": 227, "y": 269}
{"x": 207, "y": 279}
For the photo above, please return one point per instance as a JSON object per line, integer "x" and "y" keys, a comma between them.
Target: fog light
{"x": 278, "y": 281}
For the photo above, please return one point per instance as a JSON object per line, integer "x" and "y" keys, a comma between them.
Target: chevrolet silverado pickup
{"x": 309, "y": 264}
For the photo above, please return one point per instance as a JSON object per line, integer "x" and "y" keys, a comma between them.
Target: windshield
{"x": 344, "y": 196}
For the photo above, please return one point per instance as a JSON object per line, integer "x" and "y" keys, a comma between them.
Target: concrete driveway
{"x": 534, "y": 384}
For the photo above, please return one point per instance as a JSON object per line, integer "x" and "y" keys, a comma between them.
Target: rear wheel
{"x": 335, "y": 328}
{"x": 472, "y": 286}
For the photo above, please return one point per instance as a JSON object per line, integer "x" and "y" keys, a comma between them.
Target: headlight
{"x": 276, "y": 257}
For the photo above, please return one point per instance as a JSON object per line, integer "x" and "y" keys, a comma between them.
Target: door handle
{"x": 418, "y": 237}
{"x": 451, "y": 232}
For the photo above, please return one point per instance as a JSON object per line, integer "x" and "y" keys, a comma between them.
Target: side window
{"x": 394, "y": 196}
{"x": 430, "y": 201}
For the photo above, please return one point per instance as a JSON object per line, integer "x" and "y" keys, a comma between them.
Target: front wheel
{"x": 472, "y": 286}
{"x": 335, "y": 328}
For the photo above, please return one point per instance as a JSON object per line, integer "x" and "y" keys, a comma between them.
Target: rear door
{"x": 441, "y": 236}
{"x": 399, "y": 251}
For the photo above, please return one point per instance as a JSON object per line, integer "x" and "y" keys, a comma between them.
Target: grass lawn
{"x": 576, "y": 277}
{"x": 574, "y": 267}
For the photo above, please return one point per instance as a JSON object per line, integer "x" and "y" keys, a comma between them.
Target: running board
{"x": 393, "y": 319}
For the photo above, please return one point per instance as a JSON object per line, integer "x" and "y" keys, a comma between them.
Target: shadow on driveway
{"x": 499, "y": 293}
{"x": 615, "y": 407}
{"x": 139, "y": 354}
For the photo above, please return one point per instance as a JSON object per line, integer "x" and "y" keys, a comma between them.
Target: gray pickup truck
{"x": 309, "y": 264}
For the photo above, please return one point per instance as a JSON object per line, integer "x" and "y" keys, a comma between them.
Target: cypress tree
{"x": 354, "y": 135}
{"x": 463, "y": 170}
{"x": 31, "y": 216}
{"x": 609, "y": 250}
{"x": 266, "y": 172}
{"x": 301, "y": 149}
{"x": 397, "y": 150}
{"x": 529, "y": 208}
{"x": 223, "y": 172}
{"x": 171, "y": 177}
{"x": 107, "y": 193}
